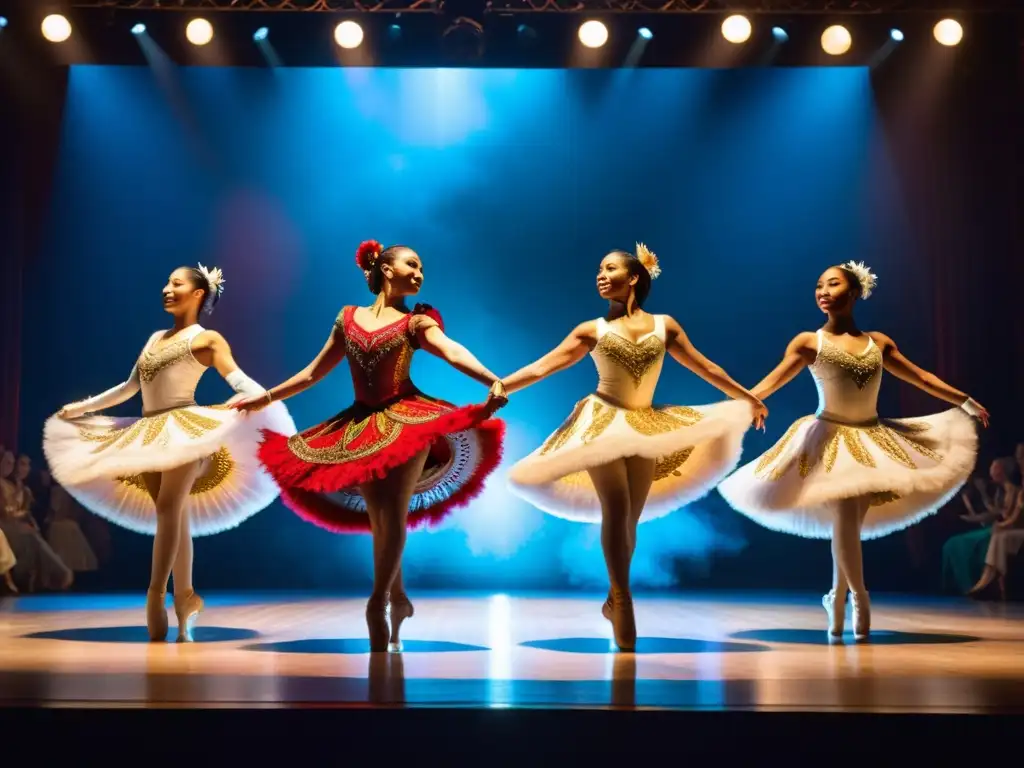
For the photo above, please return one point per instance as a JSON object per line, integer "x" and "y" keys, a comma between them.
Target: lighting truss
{"x": 570, "y": 6}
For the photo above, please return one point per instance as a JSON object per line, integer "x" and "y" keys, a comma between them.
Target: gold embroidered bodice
{"x": 628, "y": 371}
{"x": 168, "y": 373}
{"x": 847, "y": 383}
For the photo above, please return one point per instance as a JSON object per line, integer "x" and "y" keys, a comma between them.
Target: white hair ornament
{"x": 867, "y": 279}
{"x": 215, "y": 279}
{"x": 646, "y": 257}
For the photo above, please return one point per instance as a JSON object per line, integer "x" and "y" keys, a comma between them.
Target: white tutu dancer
{"x": 618, "y": 460}
{"x": 845, "y": 474}
{"x": 181, "y": 469}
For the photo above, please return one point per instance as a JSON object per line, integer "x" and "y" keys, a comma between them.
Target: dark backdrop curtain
{"x": 32, "y": 91}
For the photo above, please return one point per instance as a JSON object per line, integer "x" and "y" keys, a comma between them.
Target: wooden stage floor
{"x": 712, "y": 653}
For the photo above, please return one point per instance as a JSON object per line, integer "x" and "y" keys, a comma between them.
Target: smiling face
{"x": 614, "y": 282}
{"x": 834, "y": 292}
{"x": 404, "y": 272}
{"x": 181, "y": 294}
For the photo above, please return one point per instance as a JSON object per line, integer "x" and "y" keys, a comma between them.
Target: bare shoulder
{"x": 585, "y": 331}
{"x": 804, "y": 344}
{"x": 207, "y": 339}
{"x": 881, "y": 340}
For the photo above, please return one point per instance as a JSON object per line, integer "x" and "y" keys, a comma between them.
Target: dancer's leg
{"x": 171, "y": 492}
{"x": 611, "y": 482}
{"x": 848, "y": 554}
{"x": 640, "y": 477}
{"x": 390, "y": 497}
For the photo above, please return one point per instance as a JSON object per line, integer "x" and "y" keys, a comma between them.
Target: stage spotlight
{"x": 348, "y": 34}
{"x": 779, "y": 34}
{"x": 949, "y": 32}
{"x": 3, "y": 22}
{"x": 394, "y": 31}
{"x": 736, "y": 29}
{"x": 593, "y": 34}
{"x": 56, "y": 28}
{"x": 527, "y": 35}
{"x": 139, "y": 29}
{"x": 199, "y": 32}
{"x": 260, "y": 35}
{"x": 645, "y": 33}
{"x": 836, "y": 40}
{"x": 896, "y": 35}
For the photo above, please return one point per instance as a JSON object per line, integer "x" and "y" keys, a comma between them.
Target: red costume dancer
{"x": 396, "y": 458}
{"x": 319, "y": 470}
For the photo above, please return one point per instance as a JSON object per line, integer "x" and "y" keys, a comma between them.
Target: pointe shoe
{"x": 835, "y": 607}
{"x": 618, "y": 609}
{"x": 156, "y": 615}
{"x": 400, "y": 608}
{"x": 187, "y": 609}
{"x": 861, "y": 616}
{"x": 377, "y": 624}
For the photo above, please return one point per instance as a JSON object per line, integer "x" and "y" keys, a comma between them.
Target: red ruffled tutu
{"x": 320, "y": 469}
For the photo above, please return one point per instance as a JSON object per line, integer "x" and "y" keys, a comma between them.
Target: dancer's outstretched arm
{"x": 799, "y": 354}
{"x": 433, "y": 339}
{"x": 899, "y": 366}
{"x": 212, "y": 349}
{"x": 123, "y": 392}
{"x": 332, "y": 353}
{"x": 573, "y": 348}
{"x": 684, "y": 353}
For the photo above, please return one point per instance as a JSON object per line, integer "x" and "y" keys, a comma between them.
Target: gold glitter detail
{"x": 851, "y": 438}
{"x": 881, "y": 498}
{"x": 339, "y": 452}
{"x": 152, "y": 363}
{"x": 368, "y": 359}
{"x": 885, "y": 439}
{"x": 684, "y": 413}
{"x": 577, "y": 480}
{"x": 831, "y": 451}
{"x": 650, "y": 422}
{"x": 561, "y": 435}
{"x": 600, "y": 417}
{"x": 635, "y": 359}
{"x": 668, "y": 466}
{"x": 776, "y": 450}
{"x": 401, "y": 413}
{"x": 339, "y": 321}
{"x": 402, "y": 365}
{"x": 220, "y": 469}
{"x": 154, "y": 428}
{"x": 194, "y": 424}
{"x": 860, "y": 368}
{"x": 905, "y": 430}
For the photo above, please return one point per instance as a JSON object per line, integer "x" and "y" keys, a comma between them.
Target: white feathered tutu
{"x": 906, "y": 469}
{"x": 693, "y": 447}
{"x": 100, "y": 461}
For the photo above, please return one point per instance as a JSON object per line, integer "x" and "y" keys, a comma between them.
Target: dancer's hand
{"x": 982, "y": 415}
{"x": 760, "y": 414}
{"x": 68, "y": 412}
{"x": 253, "y": 403}
{"x": 496, "y": 397}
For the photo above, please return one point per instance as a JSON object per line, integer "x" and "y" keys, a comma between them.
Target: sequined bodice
{"x": 168, "y": 373}
{"x": 628, "y": 370}
{"x": 847, "y": 383}
{"x": 379, "y": 360}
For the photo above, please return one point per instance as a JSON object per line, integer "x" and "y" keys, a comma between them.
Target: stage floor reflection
{"x": 708, "y": 652}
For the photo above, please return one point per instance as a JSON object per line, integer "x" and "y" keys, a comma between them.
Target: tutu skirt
{"x": 100, "y": 461}
{"x": 7, "y": 558}
{"x": 320, "y": 469}
{"x": 906, "y": 468}
{"x": 694, "y": 448}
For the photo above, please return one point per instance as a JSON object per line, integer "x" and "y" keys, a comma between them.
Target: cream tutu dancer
{"x": 182, "y": 469}
{"x": 618, "y": 460}
{"x": 844, "y": 473}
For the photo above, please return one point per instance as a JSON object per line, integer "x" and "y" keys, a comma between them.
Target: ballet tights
{"x": 172, "y": 545}
{"x": 847, "y": 558}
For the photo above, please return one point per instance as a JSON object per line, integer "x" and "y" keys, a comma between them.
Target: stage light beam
{"x": 836, "y": 40}
{"x": 56, "y": 28}
{"x": 139, "y": 29}
{"x": 780, "y": 34}
{"x": 348, "y": 34}
{"x": 593, "y": 34}
{"x": 736, "y": 29}
{"x": 260, "y": 35}
{"x": 199, "y": 32}
{"x": 948, "y": 32}
{"x": 645, "y": 33}
{"x": 3, "y": 22}
{"x": 897, "y": 35}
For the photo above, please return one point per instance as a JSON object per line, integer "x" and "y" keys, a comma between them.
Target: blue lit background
{"x": 511, "y": 185}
